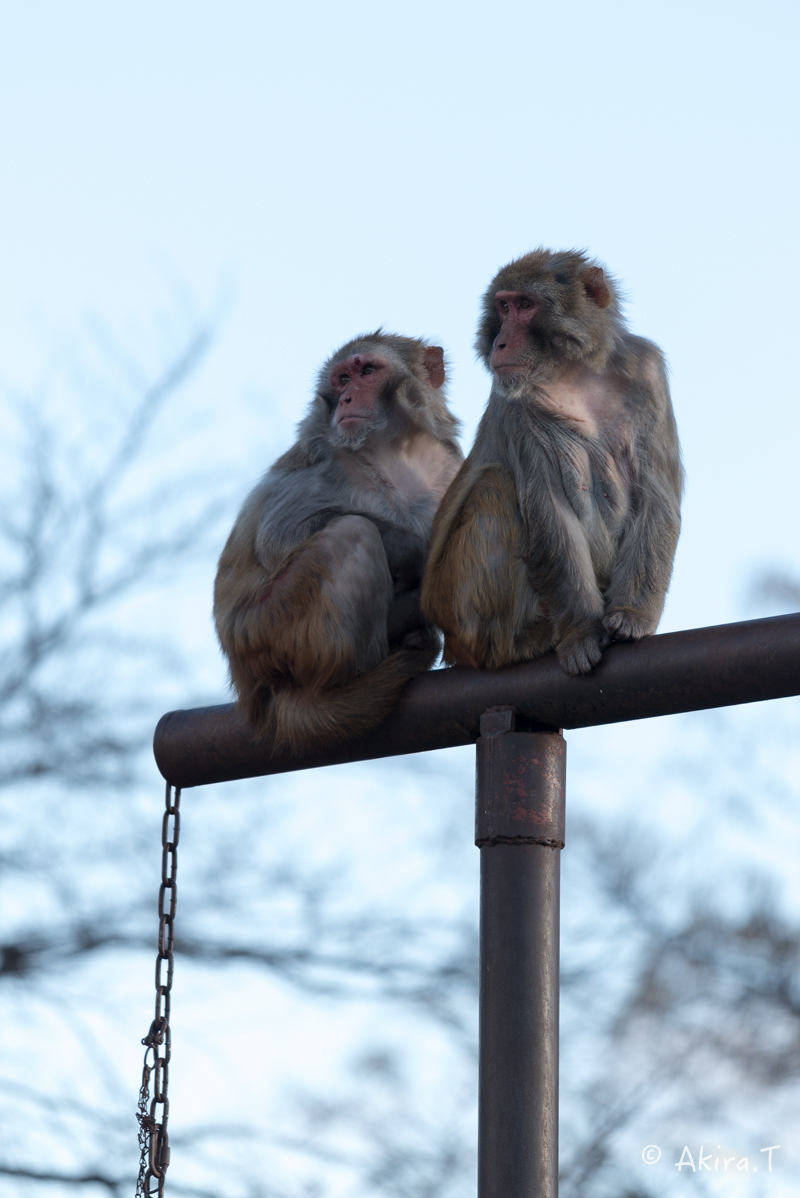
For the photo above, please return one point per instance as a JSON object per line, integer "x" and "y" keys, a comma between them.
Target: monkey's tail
{"x": 299, "y": 720}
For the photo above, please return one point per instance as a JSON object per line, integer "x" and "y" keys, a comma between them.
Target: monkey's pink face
{"x": 511, "y": 348}
{"x": 358, "y": 381}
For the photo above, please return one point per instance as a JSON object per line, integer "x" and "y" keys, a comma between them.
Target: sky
{"x": 307, "y": 171}
{"x": 313, "y": 170}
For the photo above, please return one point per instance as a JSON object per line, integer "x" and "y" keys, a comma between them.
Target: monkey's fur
{"x": 316, "y": 601}
{"x": 560, "y": 529}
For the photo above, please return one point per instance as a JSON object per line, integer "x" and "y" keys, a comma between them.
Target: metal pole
{"x": 659, "y": 675}
{"x": 519, "y": 828}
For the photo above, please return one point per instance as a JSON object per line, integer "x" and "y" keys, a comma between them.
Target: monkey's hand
{"x": 627, "y": 624}
{"x": 581, "y": 648}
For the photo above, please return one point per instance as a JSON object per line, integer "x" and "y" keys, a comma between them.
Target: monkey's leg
{"x": 638, "y": 588}
{"x": 577, "y": 604}
{"x": 323, "y": 619}
{"x": 345, "y": 677}
{"x": 480, "y": 594}
{"x": 317, "y": 667}
{"x": 320, "y": 621}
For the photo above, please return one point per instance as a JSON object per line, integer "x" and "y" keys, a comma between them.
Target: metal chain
{"x": 153, "y": 1138}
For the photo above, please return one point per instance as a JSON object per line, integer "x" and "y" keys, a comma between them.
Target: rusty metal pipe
{"x": 661, "y": 675}
{"x": 519, "y": 828}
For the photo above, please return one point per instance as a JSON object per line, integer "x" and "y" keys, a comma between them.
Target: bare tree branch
{"x": 774, "y": 588}
{"x": 67, "y": 554}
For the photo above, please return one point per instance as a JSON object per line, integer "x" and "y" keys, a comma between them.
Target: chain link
{"x": 153, "y": 1138}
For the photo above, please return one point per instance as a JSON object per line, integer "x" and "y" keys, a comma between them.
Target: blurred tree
{"x": 74, "y": 542}
{"x": 680, "y": 1012}
{"x": 775, "y": 588}
{"x": 667, "y": 988}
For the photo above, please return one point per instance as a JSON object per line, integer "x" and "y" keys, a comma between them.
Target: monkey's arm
{"x": 288, "y": 507}
{"x": 320, "y": 620}
{"x": 292, "y": 506}
{"x": 554, "y": 544}
{"x": 270, "y": 533}
{"x": 314, "y": 654}
{"x": 638, "y": 587}
{"x": 562, "y": 574}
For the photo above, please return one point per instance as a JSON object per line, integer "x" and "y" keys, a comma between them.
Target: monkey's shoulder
{"x": 504, "y": 428}
{"x": 301, "y": 455}
{"x": 287, "y": 477}
{"x": 285, "y": 505}
{"x": 641, "y": 366}
{"x": 642, "y": 348}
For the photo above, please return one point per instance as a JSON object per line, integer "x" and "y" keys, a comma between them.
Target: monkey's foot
{"x": 580, "y": 651}
{"x": 624, "y": 624}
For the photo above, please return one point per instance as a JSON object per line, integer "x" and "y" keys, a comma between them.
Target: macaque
{"x": 316, "y": 600}
{"x": 559, "y": 530}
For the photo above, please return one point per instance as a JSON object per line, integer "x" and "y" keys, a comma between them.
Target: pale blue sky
{"x": 357, "y": 164}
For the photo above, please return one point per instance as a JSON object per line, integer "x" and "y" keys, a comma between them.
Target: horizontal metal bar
{"x": 660, "y": 675}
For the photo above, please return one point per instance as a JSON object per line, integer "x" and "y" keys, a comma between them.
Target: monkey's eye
{"x": 503, "y": 306}
{"x": 368, "y": 369}
{"x": 524, "y": 303}
{"x": 344, "y": 379}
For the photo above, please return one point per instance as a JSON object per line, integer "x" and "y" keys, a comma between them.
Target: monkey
{"x": 559, "y": 530}
{"x": 316, "y": 599}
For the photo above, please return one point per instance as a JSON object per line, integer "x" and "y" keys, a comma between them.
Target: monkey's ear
{"x": 433, "y": 361}
{"x": 594, "y": 281}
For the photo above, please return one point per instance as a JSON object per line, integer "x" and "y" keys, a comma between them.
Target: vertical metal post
{"x": 519, "y": 828}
